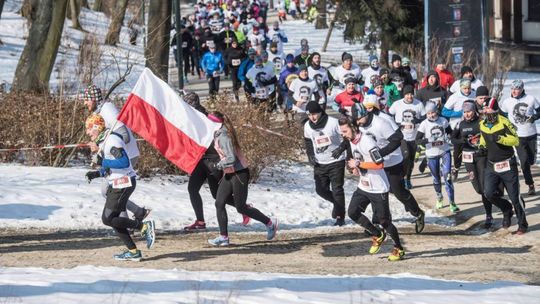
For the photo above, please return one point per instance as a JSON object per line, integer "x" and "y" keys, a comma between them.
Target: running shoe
{"x": 197, "y": 226}
{"x": 440, "y": 203}
{"x": 396, "y": 255}
{"x": 507, "y": 219}
{"x": 376, "y": 242}
{"x": 489, "y": 222}
{"x": 339, "y": 222}
{"x": 531, "y": 191}
{"x": 521, "y": 231}
{"x": 221, "y": 240}
{"x": 453, "y": 207}
{"x": 149, "y": 233}
{"x": 272, "y": 229}
{"x": 420, "y": 222}
{"x": 128, "y": 256}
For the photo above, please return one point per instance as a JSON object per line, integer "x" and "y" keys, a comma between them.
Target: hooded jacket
{"x": 432, "y": 92}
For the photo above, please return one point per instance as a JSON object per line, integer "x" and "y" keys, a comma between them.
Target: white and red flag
{"x": 155, "y": 112}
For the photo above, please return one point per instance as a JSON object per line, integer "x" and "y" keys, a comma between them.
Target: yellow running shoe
{"x": 377, "y": 242}
{"x": 396, "y": 255}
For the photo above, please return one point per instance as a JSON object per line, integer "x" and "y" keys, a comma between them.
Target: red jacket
{"x": 345, "y": 100}
{"x": 446, "y": 79}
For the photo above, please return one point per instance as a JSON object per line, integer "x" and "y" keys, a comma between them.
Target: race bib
{"x": 236, "y": 62}
{"x": 184, "y": 44}
{"x": 502, "y": 166}
{"x": 261, "y": 93}
{"x": 437, "y": 143}
{"x": 365, "y": 182}
{"x": 467, "y": 156}
{"x": 407, "y": 127}
{"x": 322, "y": 141}
{"x": 121, "y": 182}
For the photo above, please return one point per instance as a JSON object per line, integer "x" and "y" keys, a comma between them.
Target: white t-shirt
{"x": 474, "y": 85}
{"x": 373, "y": 181}
{"x": 455, "y": 103}
{"x": 381, "y": 128}
{"x": 109, "y": 112}
{"x": 303, "y": 91}
{"x": 320, "y": 75}
{"x": 258, "y": 74}
{"x": 325, "y": 141}
{"x": 367, "y": 73}
{"x": 111, "y": 141}
{"x": 278, "y": 62}
{"x": 434, "y": 131}
{"x": 273, "y": 36}
{"x": 519, "y": 110}
{"x": 340, "y": 73}
{"x": 405, "y": 113}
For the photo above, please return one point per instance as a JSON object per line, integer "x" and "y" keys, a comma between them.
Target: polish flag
{"x": 156, "y": 112}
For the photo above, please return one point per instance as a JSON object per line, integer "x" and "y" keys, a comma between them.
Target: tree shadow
{"x": 20, "y": 211}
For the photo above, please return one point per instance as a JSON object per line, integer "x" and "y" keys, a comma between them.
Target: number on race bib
{"x": 365, "y": 182}
{"x": 322, "y": 141}
{"x": 502, "y": 166}
{"x": 236, "y": 62}
{"x": 184, "y": 44}
{"x": 121, "y": 182}
{"x": 468, "y": 157}
{"x": 437, "y": 143}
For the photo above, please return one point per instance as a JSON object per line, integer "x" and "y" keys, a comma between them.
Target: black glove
{"x": 336, "y": 153}
{"x": 90, "y": 175}
{"x": 342, "y": 111}
{"x": 355, "y": 100}
{"x": 481, "y": 153}
{"x": 422, "y": 141}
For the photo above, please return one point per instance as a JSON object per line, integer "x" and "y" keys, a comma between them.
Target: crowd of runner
{"x": 386, "y": 118}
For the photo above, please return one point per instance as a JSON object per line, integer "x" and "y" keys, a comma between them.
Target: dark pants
{"x": 186, "y": 56}
{"x": 458, "y": 150}
{"x": 526, "y": 152}
{"x": 235, "y": 81}
{"x": 195, "y": 65}
{"x": 408, "y": 149}
{"x": 201, "y": 174}
{"x": 213, "y": 84}
{"x": 379, "y": 204}
{"x": 235, "y": 184}
{"x": 510, "y": 179}
{"x": 331, "y": 174}
{"x": 395, "y": 178}
{"x": 476, "y": 173}
{"x": 114, "y": 205}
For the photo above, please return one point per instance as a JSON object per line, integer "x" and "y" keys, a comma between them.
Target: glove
{"x": 338, "y": 151}
{"x": 531, "y": 119}
{"x": 342, "y": 111}
{"x": 481, "y": 153}
{"x": 312, "y": 161}
{"x": 90, "y": 175}
{"x": 355, "y": 100}
{"x": 423, "y": 141}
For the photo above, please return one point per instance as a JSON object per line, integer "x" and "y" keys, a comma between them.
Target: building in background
{"x": 514, "y": 28}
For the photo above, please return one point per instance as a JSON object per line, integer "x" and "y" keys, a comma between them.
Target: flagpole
{"x": 179, "y": 44}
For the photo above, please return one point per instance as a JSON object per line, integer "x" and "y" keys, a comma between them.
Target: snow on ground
{"x": 61, "y": 198}
{"x": 89, "y": 284}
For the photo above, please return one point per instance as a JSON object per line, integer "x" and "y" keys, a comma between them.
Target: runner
{"x": 233, "y": 57}
{"x": 432, "y": 133}
{"x": 373, "y": 69}
{"x": 263, "y": 82}
{"x": 235, "y": 181}
{"x": 322, "y": 136}
{"x": 373, "y": 188}
{"x": 121, "y": 178}
{"x": 345, "y": 100}
{"x": 320, "y": 75}
{"x": 212, "y": 64}
{"x": 302, "y": 90}
{"x": 523, "y": 110}
{"x": 466, "y": 73}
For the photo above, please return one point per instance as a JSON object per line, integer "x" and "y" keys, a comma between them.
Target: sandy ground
{"x": 465, "y": 251}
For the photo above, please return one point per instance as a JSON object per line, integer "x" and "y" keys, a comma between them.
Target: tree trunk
{"x": 29, "y": 10}
{"x": 1, "y": 7}
{"x": 74, "y": 9}
{"x": 97, "y": 6}
{"x": 117, "y": 20}
{"x": 321, "y": 22}
{"x": 84, "y": 3}
{"x": 159, "y": 28}
{"x": 39, "y": 54}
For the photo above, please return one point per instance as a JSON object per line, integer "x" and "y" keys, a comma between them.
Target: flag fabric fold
{"x": 155, "y": 112}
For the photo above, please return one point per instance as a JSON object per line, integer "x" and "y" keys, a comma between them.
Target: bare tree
{"x": 159, "y": 28}
{"x": 29, "y": 10}
{"x": 73, "y": 11}
{"x": 39, "y": 54}
{"x": 321, "y": 22}
{"x": 97, "y": 6}
{"x": 117, "y": 19}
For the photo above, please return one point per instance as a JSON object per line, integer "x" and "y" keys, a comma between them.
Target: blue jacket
{"x": 283, "y": 76}
{"x": 211, "y": 62}
{"x": 244, "y": 67}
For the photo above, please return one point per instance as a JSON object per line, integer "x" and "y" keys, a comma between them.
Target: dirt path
{"x": 440, "y": 252}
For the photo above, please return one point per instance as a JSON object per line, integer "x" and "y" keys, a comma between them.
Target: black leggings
{"x": 235, "y": 184}
{"x": 116, "y": 204}
{"x": 408, "y": 149}
{"x": 476, "y": 176}
{"x": 527, "y": 156}
{"x": 395, "y": 178}
{"x": 213, "y": 85}
{"x": 201, "y": 174}
{"x": 379, "y": 204}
